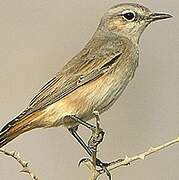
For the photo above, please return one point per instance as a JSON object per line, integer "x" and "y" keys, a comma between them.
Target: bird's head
{"x": 129, "y": 20}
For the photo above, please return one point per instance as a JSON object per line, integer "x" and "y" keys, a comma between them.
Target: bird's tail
{"x": 16, "y": 127}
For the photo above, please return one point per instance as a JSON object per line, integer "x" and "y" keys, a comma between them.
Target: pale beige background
{"x": 37, "y": 37}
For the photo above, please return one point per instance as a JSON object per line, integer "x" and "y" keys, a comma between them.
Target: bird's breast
{"x": 116, "y": 82}
{"x": 99, "y": 94}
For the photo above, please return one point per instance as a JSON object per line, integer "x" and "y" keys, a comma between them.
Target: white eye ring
{"x": 128, "y": 15}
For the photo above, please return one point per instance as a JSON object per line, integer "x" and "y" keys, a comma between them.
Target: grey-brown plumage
{"x": 93, "y": 79}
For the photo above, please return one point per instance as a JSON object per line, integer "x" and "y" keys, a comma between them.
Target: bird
{"x": 92, "y": 80}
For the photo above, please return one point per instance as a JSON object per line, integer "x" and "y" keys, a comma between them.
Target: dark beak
{"x": 158, "y": 16}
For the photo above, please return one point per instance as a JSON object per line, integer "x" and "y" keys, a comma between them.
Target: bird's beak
{"x": 158, "y": 16}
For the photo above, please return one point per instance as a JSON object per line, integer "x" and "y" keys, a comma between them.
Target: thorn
{"x": 142, "y": 157}
{"x": 151, "y": 149}
{"x": 24, "y": 170}
{"x": 178, "y": 138}
{"x": 126, "y": 158}
{"x": 17, "y": 154}
{"x": 26, "y": 163}
{"x": 12, "y": 152}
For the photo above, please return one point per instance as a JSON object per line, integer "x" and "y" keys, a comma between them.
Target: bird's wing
{"x": 91, "y": 63}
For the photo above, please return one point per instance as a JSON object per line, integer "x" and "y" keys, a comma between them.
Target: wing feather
{"x": 91, "y": 63}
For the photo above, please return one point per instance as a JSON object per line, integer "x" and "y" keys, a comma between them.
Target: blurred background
{"x": 38, "y": 37}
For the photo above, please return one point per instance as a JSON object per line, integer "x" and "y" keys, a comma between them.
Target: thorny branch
{"x": 23, "y": 163}
{"x": 94, "y": 174}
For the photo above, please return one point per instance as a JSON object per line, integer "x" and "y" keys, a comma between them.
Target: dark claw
{"x": 101, "y": 164}
{"x": 104, "y": 166}
{"x": 108, "y": 173}
{"x": 81, "y": 161}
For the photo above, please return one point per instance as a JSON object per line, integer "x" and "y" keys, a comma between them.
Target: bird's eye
{"x": 129, "y": 15}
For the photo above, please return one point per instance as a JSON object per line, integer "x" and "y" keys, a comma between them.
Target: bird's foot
{"x": 102, "y": 166}
{"x": 97, "y": 134}
{"x": 95, "y": 139}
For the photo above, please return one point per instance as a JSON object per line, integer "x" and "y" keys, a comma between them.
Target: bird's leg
{"x": 95, "y": 140}
{"x": 82, "y": 122}
{"x": 96, "y": 137}
{"x": 73, "y": 131}
{"x": 97, "y": 132}
{"x": 99, "y": 163}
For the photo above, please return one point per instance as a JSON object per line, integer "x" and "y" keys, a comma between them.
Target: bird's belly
{"x": 99, "y": 95}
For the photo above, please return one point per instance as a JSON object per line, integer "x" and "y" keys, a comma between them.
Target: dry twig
{"x": 94, "y": 174}
{"x": 23, "y": 163}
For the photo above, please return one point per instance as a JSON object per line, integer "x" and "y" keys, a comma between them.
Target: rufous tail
{"x": 16, "y": 127}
